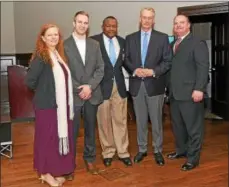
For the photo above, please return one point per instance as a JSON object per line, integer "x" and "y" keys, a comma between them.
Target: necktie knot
{"x": 179, "y": 40}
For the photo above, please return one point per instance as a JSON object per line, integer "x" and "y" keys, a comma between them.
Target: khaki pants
{"x": 112, "y": 126}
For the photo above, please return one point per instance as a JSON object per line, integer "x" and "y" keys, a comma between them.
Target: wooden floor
{"x": 212, "y": 172}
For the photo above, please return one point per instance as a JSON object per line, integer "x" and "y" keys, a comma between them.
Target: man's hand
{"x": 197, "y": 96}
{"x": 144, "y": 72}
{"x": 148, "y": 72}
{"x": 85, "y": 92}
{"x": 139, "y": 72}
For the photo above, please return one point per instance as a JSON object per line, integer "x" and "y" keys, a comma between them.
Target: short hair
{"x": 109, "y": 17}
{"x": 184, "y": 16}
{"x": 81, "y": 13}
{"x": 149, "y": 9}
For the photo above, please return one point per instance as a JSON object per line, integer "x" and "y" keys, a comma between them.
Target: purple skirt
{"x": 46, "y": 145}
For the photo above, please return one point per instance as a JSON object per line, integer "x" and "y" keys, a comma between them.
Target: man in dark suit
{"x": 188, "y": 80}
{"x": 147, "y": 58}
{"x": 87, "y": 69}
{"x": 112, "y": 113}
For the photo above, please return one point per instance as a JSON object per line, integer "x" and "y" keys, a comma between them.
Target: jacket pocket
{"x": 189, "y": 82}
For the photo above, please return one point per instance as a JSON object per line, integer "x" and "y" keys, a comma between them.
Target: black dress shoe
{"x": 107, "y": 161}
{"x": 159, "y": 159}
{"x": 174, "y": 155}
{"x": 139, "y": 157}
{"x": 127, "y": 161}
{"x": 188, "y": 166}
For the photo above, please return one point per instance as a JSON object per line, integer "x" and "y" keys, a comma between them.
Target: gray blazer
{"x": 91, "y": 73}
{"x": 40, "y": 78}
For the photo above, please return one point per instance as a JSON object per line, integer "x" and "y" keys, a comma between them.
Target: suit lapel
{"x": 138, "y": 46}
{"x": 103, "y": 48}
{"x": 151, "y": 46}
{"x": 172, "y": 47}
{"x": 75, "y": 50}
{"x": 87, "y": 52}
{"x": 182, "y": 44}
{"x": 120, "y": 48}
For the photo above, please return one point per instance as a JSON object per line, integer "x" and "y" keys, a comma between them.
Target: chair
{"x": 6, "y": 145}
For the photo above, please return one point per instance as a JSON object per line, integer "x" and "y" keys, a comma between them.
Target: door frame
{"x": 215, "y": 8}
{"x": 200, "y": 10}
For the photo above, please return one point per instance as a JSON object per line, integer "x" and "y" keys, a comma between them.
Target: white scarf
{"x": 60, "y": 88}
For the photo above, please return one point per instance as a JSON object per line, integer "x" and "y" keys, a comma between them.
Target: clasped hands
{"x": 85, "y": 92}
{"x": 143, "y": 72}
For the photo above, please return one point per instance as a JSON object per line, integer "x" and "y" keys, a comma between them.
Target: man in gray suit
{"x": 188, "y": 81}
{"x": 87, "y": 69}
{"x": 148, "y": 58}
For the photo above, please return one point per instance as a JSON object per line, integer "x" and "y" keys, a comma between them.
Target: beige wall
{"x": 29, "y": 16}
{"x": 7, "y": 28}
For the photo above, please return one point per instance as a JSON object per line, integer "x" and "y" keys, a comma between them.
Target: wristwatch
{"x": 154, "y": 75}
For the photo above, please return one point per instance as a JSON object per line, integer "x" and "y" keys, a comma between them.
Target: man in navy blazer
{"x": 112, "y": 113}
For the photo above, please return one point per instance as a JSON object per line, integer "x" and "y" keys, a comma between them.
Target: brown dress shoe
{"x": 91, "y": 168}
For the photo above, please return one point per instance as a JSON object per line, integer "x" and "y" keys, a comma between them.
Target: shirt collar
{"x": 75, "y": 38}
{"x": 107, "y": 38}
{"x": 185, "y": 36}
{"x": 148, "y": 32}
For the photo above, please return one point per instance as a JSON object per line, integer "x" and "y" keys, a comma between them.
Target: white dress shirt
{"x": 81, "y": 45}
{"x": 115, "y": 42}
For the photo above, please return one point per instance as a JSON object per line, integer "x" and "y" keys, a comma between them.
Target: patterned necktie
{"x": 144, "y": 48}
{"x": 112, "y": 54}
{"x": 177, "y": 45}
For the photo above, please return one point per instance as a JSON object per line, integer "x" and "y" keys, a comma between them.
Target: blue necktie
{"x": 112, "y": 54}
{"x": 144, "y": 48}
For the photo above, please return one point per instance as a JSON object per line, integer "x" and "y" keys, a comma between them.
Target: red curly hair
{"x": 42, "y": 50}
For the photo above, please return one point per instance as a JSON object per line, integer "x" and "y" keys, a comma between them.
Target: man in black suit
{"x": 147, "y": 58}
{"x": 188, "y": 80}
{"x": 87, "y": 70}
{"x": 112, "y": 113}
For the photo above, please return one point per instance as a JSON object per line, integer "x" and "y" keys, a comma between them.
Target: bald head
{"x": 181, "y": 25}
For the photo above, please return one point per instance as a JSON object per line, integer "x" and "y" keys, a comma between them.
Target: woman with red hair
{"x": 50, "y": 78}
